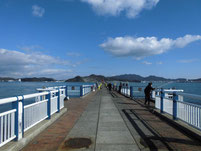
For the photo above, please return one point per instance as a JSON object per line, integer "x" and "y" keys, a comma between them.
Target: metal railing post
{"x": 15, "y": 105}
{"x": 162, "y": 99}
{"x": 131, "y": 92}
{"x": 49, "y": 105}
{"x": 18, "y": 118}
{"x": 58, "y": 101}
{"x": 175, "y": 98}
{"x": 66, "y": 91}
{"x": 81, "y": 91}
{"x": 22, "y": 116}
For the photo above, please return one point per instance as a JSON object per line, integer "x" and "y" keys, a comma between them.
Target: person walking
{"x": 109, "y": 86}
{"x": 120, "y": 86}
{"x": 147, "y": 92}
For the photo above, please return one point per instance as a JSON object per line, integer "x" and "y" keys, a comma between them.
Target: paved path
{"x": 102, "y": 123}
{"x": 105, "y": 122}
{"x": 53, "y": 136}
{"x": 149, "y": 130}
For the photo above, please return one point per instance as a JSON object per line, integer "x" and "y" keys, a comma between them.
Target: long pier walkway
{"x": 108, "y": 121}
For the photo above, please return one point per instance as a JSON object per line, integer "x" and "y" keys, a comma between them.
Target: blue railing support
{"x": 58, "y": 101}
{"x": 15, "y": 105}
{"x": 81, "y": 90}
{"x": 49, "y": 105}
{"x": 162, "y": 99}
{"x": 22, "y": 116}
{"x": 131, "y": 92}
{"x": 175, "y": 99}
{"x": 66, "y": 91}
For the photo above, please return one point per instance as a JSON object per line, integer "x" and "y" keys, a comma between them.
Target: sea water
{"x": 13, "y": 89}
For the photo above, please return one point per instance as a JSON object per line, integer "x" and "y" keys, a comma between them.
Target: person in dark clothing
{"x": 147, "y": 92}
{"x": 110, "y": 86}
{"x": 120, "y": 86}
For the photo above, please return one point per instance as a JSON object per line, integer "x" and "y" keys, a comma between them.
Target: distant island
{"x": 100, "y": 78}
{"x": 128, "y": 78}
{"x": 34, "y": 79}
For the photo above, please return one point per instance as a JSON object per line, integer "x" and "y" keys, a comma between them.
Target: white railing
{"x": 34, "y": 114}
{"x": 86, "y": 89}
{"x": 62, "y": 97}
{"x": 15, "y": 122}
{"x": 125, "y": 91}
{"x": 7, "y": 128}
{"x": 173, "y": 104}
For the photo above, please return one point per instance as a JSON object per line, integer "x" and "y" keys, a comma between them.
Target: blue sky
{"x": 65, "y": 38}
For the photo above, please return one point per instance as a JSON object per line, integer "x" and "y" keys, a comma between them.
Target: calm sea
{"x": 10, "y": 89}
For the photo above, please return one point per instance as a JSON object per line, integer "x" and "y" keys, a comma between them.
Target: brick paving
{"x": 161, "y": 135}
{"x": 53, "y": 136}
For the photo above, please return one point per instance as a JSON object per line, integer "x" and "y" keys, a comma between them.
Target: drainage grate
{"x": 77, "y": 143}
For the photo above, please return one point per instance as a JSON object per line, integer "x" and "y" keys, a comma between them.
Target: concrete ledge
{"x": 31, "y": 133}
{"x": 180, "y": 125}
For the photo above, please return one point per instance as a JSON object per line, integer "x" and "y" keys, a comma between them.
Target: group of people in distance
{"x": 147, "y": 91}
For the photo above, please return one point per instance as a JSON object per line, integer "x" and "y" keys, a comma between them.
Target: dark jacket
{"x": 148, "y": 90}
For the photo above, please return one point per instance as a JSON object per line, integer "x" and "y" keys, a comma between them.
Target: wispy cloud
{"x": 38, "y": 11}
{"x": 146, "y": 63}
{"x": 73, "y": 54}
{"x": 17, "y": 64}
{"x": 187, "y": 60}
{"x": 114, "y": 7}
{"x": 30, "y": 48}
{"x": 160, "y": 62}
{"x": 145, "y": 46}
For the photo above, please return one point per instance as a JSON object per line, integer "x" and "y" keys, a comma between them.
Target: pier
{"x": 109, "y": 121}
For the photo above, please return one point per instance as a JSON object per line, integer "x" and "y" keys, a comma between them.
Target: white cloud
{"x": 187, "y": 60}
{"x": 146, "y": 63}
{"x": 30, "y": 48}
{"x": 114, "y": 7}
{"x": 18, "y": 64}
{"x": 73, "y": 54}
{"x": 160, "y": 62}
{"x": 145, "y": 46}
{"x": 37, "y": 11}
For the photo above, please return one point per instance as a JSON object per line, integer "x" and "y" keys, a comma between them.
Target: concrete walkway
{"x": 51, "y": 138}
{"x": 103, "y": 125}
{"x": 105, "y": 122}
{"x": 150, "y": 131}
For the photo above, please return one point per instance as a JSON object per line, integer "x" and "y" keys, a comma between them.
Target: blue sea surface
{"x": 13, "y": 89}
{"x": 191, "y": 88}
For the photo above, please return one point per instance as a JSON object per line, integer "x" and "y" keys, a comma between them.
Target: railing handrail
{"x": 7, "y": 112}
{"x": 168, "y": 90}
{"x": 27, "y": 106}
{"x": 8, "y": 100}
{"x": 18, "y": 98}
{"x": 195, "y": 96}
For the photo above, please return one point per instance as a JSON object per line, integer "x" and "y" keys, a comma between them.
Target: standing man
{"x": 109, "y": 86}
{"x": 147, "y": 92}
{"x": 120, "y": 86}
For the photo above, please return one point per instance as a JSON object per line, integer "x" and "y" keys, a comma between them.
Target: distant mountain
{"x": 76, "y": 79}
{"x": 125, "y": 77}
{"x": 196, "y": 80}
{"x": 7, "y": 79}
{"x": 155, "y": 78}
{"x": 34, "y": 79}
{"x": 91, "y": 78}
{"x": 137, "y": 78}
